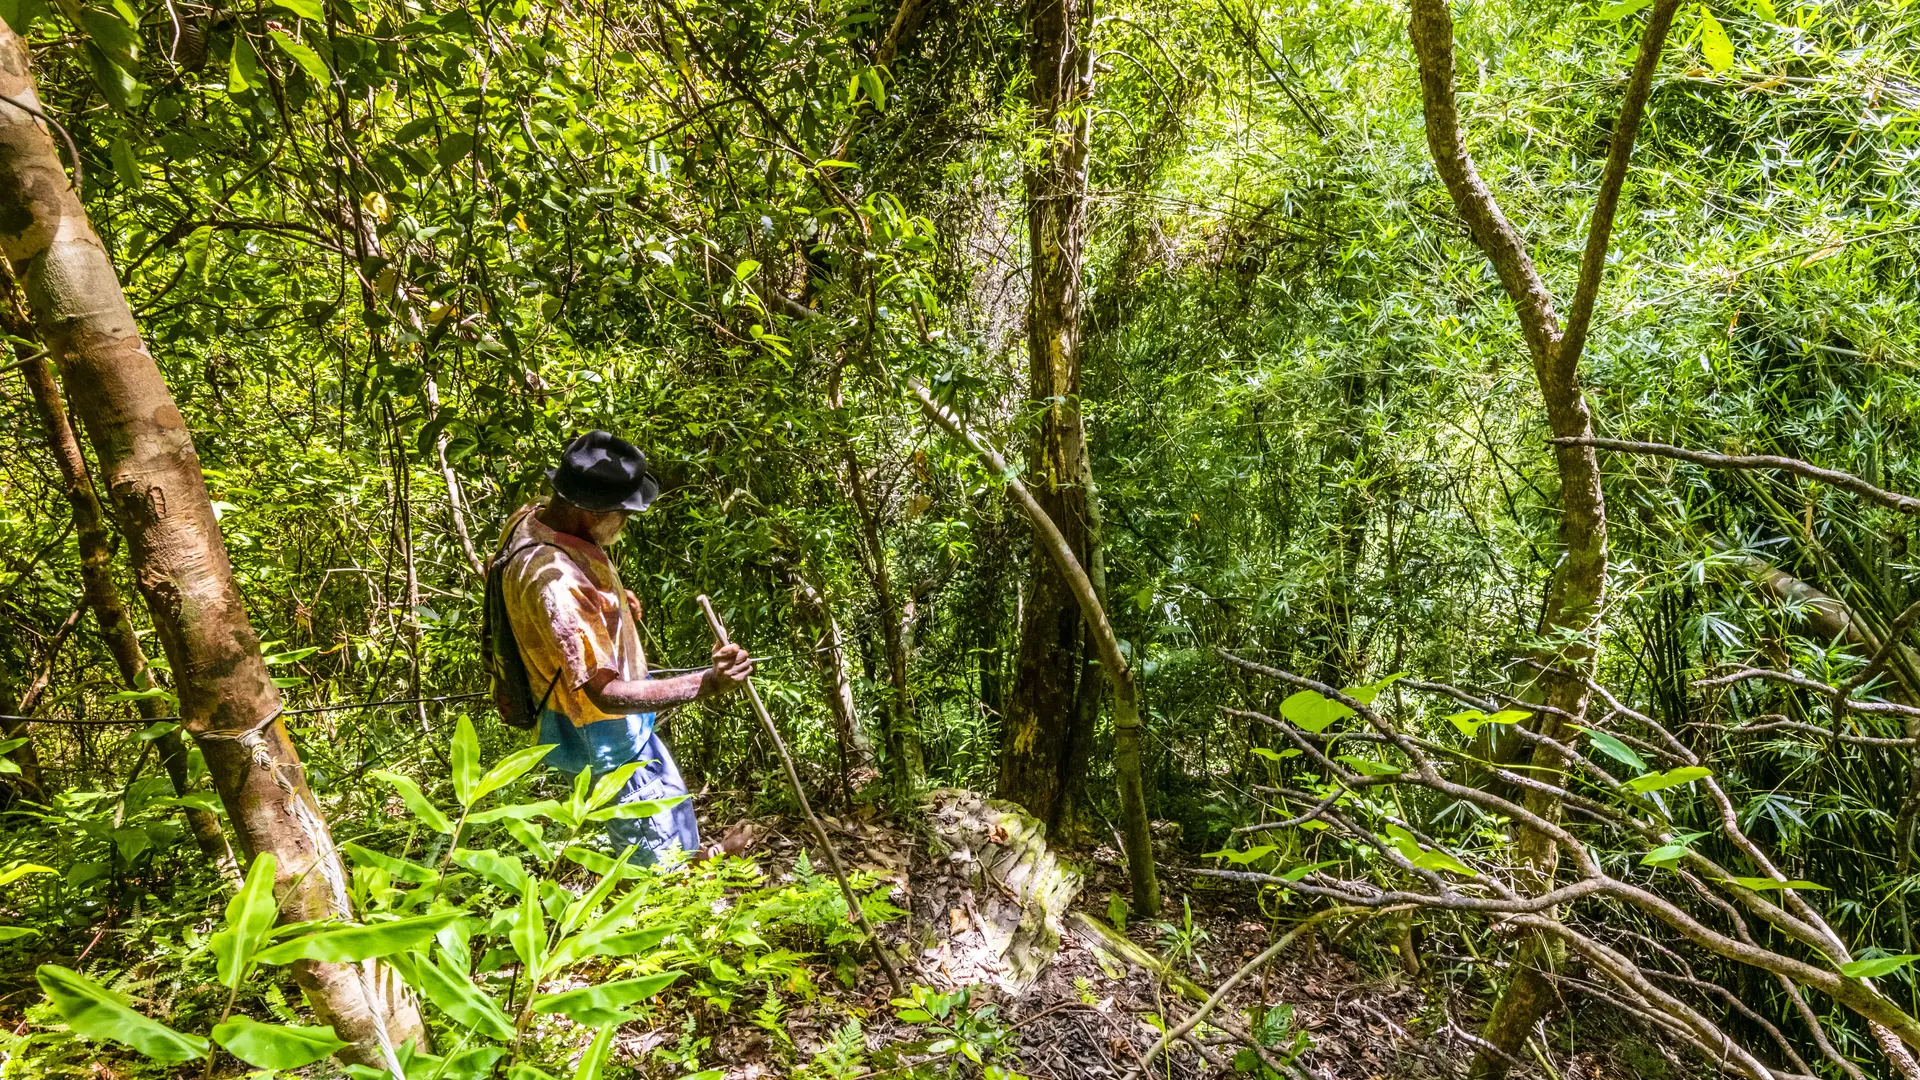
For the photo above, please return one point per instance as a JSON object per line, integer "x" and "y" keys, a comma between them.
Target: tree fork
{"x": 1577, "y": 591}
{"x": 152, "y": 475}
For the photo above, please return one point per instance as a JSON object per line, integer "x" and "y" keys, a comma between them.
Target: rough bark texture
{"x": 1000, "y": 895}
{"x": 1577, "y": 592}
{"x": 157, "y": 493}
{"x": 1044, "y": 733}
{"x": 103, "y": 594}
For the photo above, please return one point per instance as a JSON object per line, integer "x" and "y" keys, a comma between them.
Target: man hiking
{"x": 578, "y": 632}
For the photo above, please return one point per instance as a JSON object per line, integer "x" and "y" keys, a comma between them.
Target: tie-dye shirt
{"x": 570, "y": 618}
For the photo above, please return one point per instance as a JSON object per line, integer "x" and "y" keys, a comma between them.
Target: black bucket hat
{"x": 604, "y": 473}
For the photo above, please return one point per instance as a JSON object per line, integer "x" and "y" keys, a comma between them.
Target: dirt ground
{"x": 1090, "y": 1014}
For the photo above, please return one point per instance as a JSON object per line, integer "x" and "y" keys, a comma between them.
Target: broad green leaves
{"x": 419, "y": 804}
{"x": 276, "y": 1046}
{"x": 510, "y": 768}
{"x": 91, "y": 1010}
{"x": 1611, "y": 746}
{"x": 250, "y": 917}
{"x": 1660, "y": 781}
{"x": 19, "y": 870}
{"x": 1242, "y": 858}
{"x": 1312, "y": 711}
{"x": 603, "y": 1004}
{"x": 1471, "y": 721}
{"x": 1404, "y": 842}
{"x": 346, "y": 943}
{"x": 1715, "y": 46}
{"x": 1878, "y": 966}
{"x": 453, "y": 993}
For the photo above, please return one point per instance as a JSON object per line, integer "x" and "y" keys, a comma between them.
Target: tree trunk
{"x": 903, "y": 765}
{"x": 830, "y": 657}
{"x": 227, "y": 700}
{"x": 1042, "y": 725}
{"x": 1576, "y": 593}
{"x": 103, "y": 594}
{"x": 1127, "y": 726}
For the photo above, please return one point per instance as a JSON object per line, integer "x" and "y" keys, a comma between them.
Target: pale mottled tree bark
{"x": 157, "y": 493}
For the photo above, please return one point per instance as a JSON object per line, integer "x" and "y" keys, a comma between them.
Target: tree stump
{"x": 993, "y": 894}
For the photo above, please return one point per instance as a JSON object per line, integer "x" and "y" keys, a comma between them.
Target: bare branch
{"x": 1905, "y": 504}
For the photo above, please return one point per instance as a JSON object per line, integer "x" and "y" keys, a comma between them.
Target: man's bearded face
{"x": 606, "y": 527}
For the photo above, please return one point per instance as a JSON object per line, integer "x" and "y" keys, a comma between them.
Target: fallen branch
{"x": 1233, "y": 980}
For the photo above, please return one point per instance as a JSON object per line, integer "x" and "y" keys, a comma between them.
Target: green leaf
{"x": 518, "y": 811}
{"x": 1366, "y": 694}
{"x": 510, "y": 768}
{"x": 194, "y": 800}
{"x": 1409, "y": 849}
{"x": 126, "y": 164}
{"x": 20, "y": 14}
{"x": 117, "y": 83}
{"x": 876, "y": 89}
{"x": 457, "y": 145}
{"x": 13, "y": 933}
{"x": 397, "y": 868}
{"x": 1878, "y": 966}
{"x": 1366, "y": 767}
{"x": 1614, "y": 12}
{"x": 243, "y": 67}
{"x": 276, "y": 1046}
{"x": 1761, "y": 884}
{"x": 1312, "y": 711}
{"x": 347, "y": 943}
{"x": 1276, "y": 755}
{"x": 601, "y": 1004}
{"x": 303, "y": 55}
{"x": 466, "y": 761}
{"x": 1242, "y": 858}
{"x": 528, "y": 935}
{"x": 306, "y": 9}
{"x": 504, "y": 871}
{"x": 1664, "y": 855}
{"x": 151, "y": 693}
{"x": 644, "y": 808}
{"x": 1715, "y": 46}
{"x": 1471, "y": 721}
{"x": 1671, "y": 778}
{"x": 1299, "y": 873}
{"x": 112, "y": 33}
{"x": 1615, "y": 749}
{"x": 90, "y": 1010}
{"x": 429, "y": 815}
{"x": 744, "y": 269}
{"x": 607, "y": 788}
{"x": 454, "y": 993}
{"x": 19, "y": 870}
{"x": 631, "y": 943}
{"x": 159, "y": 729}
{"x": 595, "y": 1059}
{"x": 250, "y": 915}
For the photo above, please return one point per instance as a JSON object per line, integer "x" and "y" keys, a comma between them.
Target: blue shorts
{"x": 607, "y": 745}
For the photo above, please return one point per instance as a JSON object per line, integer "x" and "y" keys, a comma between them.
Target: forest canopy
{"x": 1290, "y": 539}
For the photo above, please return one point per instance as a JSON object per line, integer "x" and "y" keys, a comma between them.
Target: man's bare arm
{"x": 610, "y": 694}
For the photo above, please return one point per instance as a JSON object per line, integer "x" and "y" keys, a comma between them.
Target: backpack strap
{"x": 499, "y": 565}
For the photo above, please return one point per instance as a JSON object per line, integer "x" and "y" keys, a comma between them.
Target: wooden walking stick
{"x": 819, "y": 830}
